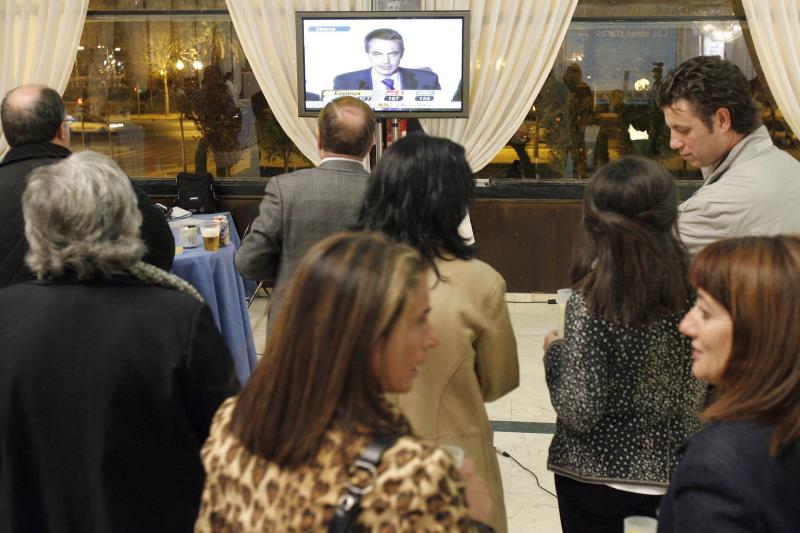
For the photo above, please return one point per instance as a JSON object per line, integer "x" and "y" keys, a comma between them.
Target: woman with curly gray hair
{"x": 110, "y": 369}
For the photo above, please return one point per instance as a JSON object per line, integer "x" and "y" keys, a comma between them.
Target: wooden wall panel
{"x": 529, "y": 241}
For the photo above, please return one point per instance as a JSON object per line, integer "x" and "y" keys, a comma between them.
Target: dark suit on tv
{"x": 410, "y": 78}
{"x": 299, "y": 209}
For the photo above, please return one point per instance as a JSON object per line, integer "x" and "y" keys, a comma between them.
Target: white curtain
{"x": 38, "y": 43}
{"x": 266, "y": 29}
{"x": 775, "y": 27}
{"x": 513, "y": 46}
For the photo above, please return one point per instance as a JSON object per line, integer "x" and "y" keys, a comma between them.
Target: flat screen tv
{"x": 401, "y": 63}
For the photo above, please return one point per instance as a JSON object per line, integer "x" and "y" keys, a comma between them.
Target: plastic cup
{"x": 562, "y": 296}
{"x": 190, "y": 236}
{"x": 640, "y": 524}
{"x": 456, "y": 452}
{"x": 210, "y": 233}
{"x": 177, "y": 236}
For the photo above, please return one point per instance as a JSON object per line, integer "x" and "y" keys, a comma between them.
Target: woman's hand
{"x": 550, "y": 338}
{"x": 478, "y": 498}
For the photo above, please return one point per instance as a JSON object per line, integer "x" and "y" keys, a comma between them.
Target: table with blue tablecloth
{"x": 214, "y": 275}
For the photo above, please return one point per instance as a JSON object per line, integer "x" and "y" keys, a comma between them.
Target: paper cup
{"x": 640, "y": 524}
{"x": 562, "y": 296}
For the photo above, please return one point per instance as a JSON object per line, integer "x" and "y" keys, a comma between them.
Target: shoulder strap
{"x": 348, "y": 508}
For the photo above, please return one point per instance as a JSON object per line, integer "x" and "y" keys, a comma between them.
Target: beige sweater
{"x": 475, "y": 362}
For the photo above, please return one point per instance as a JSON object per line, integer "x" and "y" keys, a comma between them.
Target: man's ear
{"x": 319, "y": 141}
{"x": 722, "y": 119}
{"x": 62, "y": 134}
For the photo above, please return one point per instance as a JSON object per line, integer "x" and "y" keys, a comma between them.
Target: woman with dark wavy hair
{"x": 418, "y": 194}
{"x": 620, "y": 380}
{"x": 741, "y": 472}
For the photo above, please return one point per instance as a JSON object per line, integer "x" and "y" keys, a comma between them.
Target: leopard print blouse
{"x": 418, "y": 487}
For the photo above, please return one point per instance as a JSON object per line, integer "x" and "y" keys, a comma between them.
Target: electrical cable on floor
{"x": 506, "y": 454}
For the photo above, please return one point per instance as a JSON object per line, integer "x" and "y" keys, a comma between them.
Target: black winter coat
{"x": 14, "y": 170}
{"x": 107, "y": 390}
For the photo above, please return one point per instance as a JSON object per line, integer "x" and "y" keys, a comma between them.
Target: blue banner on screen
{"x": 400, "y": 63}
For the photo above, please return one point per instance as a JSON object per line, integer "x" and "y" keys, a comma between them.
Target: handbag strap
{"x": 348, "y": 508}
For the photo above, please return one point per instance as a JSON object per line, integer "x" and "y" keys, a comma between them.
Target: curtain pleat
{"x": 39, "y": 43}
{"x": 266, "y": 29}
{"x": 775, "y": 27}
{"x": 513, "y": 46}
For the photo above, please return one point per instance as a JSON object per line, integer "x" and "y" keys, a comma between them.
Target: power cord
{"x": 506, "y": 454}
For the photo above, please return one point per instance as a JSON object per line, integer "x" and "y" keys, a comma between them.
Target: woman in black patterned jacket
{"x": 620, "y": 380}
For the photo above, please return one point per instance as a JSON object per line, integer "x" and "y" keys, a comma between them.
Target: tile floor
{"x": 528, "y": 409}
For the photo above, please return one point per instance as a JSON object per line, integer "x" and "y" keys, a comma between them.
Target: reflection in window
{"x": 598, "y": 102}
{"x": 164, "y": 96}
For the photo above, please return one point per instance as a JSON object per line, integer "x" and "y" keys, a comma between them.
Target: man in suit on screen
{"x": 385, "y": 49}
{"x": 305, "y": 206}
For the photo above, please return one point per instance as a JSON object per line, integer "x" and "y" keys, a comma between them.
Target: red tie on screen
{"x": 389, "y": 82}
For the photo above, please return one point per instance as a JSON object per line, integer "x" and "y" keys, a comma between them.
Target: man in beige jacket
{"x": 750, "y": 186}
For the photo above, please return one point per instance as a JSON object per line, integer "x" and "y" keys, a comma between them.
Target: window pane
{"x": 126, "y": 5}
{"x": 661, "y": 8}
{"x": 598, "y": 103}
{"x": 151, "y": 91}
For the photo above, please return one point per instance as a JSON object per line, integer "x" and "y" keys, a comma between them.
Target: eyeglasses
{"x": 69, "y": 119}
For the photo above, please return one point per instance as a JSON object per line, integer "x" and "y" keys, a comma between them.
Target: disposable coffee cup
{"x": 456, "y": 452}
{"x": 210, "y": 233}
{"x": 562, "y": 296}
{"x": 640, "y": 524}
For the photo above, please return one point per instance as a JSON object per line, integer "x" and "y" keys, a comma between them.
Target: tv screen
{"x": 403, "y": 64}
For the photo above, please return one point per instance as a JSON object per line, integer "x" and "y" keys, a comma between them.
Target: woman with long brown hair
{"x": 742, "y": 471}
{"x": 353, "y": 326}
{"x": 620, "y": 380}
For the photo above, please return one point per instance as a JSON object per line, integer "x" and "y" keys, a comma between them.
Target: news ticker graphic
{"x": 396, "y": 99}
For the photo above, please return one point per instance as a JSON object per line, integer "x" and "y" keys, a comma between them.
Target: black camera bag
{"x": 196, "y": 192}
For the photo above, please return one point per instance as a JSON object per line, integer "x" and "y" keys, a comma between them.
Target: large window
{"x": 164, "y": 88}
{"x": 598, "y": 102}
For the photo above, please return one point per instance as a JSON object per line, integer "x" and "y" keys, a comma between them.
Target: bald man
{"x": 305, "y": 206}
{"x": 35, "y": 125}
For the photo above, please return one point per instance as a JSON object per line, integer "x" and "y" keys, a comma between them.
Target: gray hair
{"x": 81, "y": 218}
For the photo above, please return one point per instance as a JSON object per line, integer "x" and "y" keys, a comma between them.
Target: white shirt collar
{"x": 334, "y": 158}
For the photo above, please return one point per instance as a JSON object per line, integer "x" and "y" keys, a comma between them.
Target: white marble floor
{"x": 523, "y": 419}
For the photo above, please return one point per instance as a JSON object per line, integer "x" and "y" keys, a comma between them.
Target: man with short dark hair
{"x": 35, "y": 125}
{"x": 305, "y": 206}
{"x": 750, "y": 186}
{"x": 385, "y": 49}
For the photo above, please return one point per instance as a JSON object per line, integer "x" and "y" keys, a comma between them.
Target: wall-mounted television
{"x": 401, "y": 63}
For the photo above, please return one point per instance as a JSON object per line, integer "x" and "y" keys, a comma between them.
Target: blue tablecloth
{"x": 214, "y": 275}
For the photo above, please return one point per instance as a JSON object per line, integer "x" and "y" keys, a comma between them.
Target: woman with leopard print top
{"x": 353, "y": 326}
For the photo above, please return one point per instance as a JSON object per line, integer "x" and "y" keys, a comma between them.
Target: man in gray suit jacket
{"x": 305, "y": 206}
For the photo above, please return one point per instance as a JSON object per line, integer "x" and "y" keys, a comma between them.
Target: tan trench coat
{"x": 475, "y": 362}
